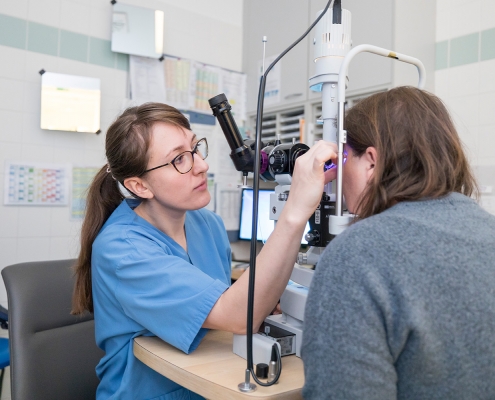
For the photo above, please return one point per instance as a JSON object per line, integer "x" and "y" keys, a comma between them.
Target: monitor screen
{"x": 265, "y": 224}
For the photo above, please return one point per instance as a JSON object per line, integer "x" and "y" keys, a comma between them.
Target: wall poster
{"x": 36, "y": 184}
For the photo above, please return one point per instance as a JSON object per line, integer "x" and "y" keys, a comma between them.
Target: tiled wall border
{"x": 465, "y": 49}
{"x": 32, "y": 36}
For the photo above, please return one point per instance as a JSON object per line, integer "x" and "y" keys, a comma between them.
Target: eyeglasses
{"x": 184, "y": 162}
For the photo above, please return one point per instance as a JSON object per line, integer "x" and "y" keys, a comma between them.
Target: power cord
{"x": 252, "y": 269}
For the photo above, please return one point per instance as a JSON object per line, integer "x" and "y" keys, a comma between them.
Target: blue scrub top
{"x": 145, "y": 284}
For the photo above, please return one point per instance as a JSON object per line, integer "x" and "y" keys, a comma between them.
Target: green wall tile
{"x": 22, "y": 34}
{"x": 123, "y": 61}
{"x": 73, "y": 45}
{"x": 487, "y": 44}
{"x": 442, "y": 55}
{"x": 12, "y": 32}
{"x": 42, "y": 38}
{"x": 464, "y": 50}
{"x": 100, "y": 52}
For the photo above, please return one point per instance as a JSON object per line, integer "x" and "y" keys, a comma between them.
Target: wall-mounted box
{"x": 137, "y": 30}
{"x": 70, "y": 103}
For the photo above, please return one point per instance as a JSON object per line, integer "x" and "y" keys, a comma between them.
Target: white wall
{"x": 414, "y": 41}
{"x": 204, "y": 30}
{"x": 466, "y": 81}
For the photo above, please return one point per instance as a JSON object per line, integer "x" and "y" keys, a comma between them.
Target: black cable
{"x": 254, "y": 230}
{"x": 337, "y": 12}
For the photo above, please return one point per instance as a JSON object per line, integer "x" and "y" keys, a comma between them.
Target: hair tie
{"x": 109, "y": 171}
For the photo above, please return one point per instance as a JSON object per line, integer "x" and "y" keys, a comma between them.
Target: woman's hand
{"x": 277, "y": 310}
{"x": 276, "y": 260}
{"x": 309, "y": 177}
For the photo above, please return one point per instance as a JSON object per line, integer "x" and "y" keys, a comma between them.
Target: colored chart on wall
{"x": 81, "y": 179}
{"x": 36, "y": 184}
{"x": 207, "y": 85}
{"x": 178, "y": 82}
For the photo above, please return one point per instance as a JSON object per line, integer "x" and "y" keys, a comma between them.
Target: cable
{"x": 337, "y": 12}
{"x": 252, "y": 260}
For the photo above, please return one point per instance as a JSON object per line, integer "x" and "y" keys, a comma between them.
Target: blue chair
{"x": 4, "y": 345}
{"x": 4, "y": 358}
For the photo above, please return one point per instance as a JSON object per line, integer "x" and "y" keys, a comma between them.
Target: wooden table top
{"x": 214, "y": 371}
{"x": 237, "y": 271}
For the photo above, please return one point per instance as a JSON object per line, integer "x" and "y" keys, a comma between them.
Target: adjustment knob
{"x": 312, "y": 236}
{"x": 277, "y": 161}
{"x": 262, "y": 370}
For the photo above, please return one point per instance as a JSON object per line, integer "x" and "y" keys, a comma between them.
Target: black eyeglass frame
{"x": 193, "y": 152}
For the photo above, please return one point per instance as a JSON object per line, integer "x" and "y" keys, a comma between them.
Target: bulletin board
{"x": 186, "y": 84}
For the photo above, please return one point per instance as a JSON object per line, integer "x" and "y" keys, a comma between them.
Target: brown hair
{"x": 126, "y": 147}
{"x": 419, "y": 151}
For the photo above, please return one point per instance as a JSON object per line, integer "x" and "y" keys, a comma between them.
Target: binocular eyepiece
{"x": 242, "y": 155}
{"x": 276, "y": 158}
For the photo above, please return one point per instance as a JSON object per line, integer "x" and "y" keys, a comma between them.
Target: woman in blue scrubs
{"x": 159, "y": 264}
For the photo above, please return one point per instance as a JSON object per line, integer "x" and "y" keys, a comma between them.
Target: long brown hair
{"x": 126, "y": 147}
{"x": 419, "y": 151}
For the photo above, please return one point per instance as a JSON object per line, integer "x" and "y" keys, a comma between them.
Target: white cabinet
{"x": 314, "y": 131}
{"x": 282, "y": 22}
{"x": 287, "y": 124}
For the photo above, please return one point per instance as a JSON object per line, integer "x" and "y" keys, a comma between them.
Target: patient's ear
{"x": 139, "y": 187}
{"x": 371, "y": 157}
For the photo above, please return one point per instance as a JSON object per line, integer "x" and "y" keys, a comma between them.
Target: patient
{"x": 402, "y": 304}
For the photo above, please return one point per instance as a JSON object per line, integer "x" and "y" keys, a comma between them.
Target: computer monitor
{"x": 265, "y": 224}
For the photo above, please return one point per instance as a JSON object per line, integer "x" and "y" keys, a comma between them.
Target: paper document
{"x": 147, "y": 80}
{"x": 81, "y": 179}
{"x": 36, "y": 184}
{"x": 178, "y": 75}
{"x": 234, "y": 86}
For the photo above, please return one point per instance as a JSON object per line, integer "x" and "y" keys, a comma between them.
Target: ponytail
{"x": 104, "y": 197}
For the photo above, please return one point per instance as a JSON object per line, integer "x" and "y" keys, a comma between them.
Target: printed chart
{"x": 36, "y": 184}
{"x": 81, "y": 179}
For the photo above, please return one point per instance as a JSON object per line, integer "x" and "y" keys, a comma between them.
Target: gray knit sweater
{"x": 402, "y": 305}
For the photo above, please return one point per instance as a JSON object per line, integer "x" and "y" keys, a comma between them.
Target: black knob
{"x": 262, "y": 370}
{"x": 312, "y": 236}
{"x": 277, "y": 161}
